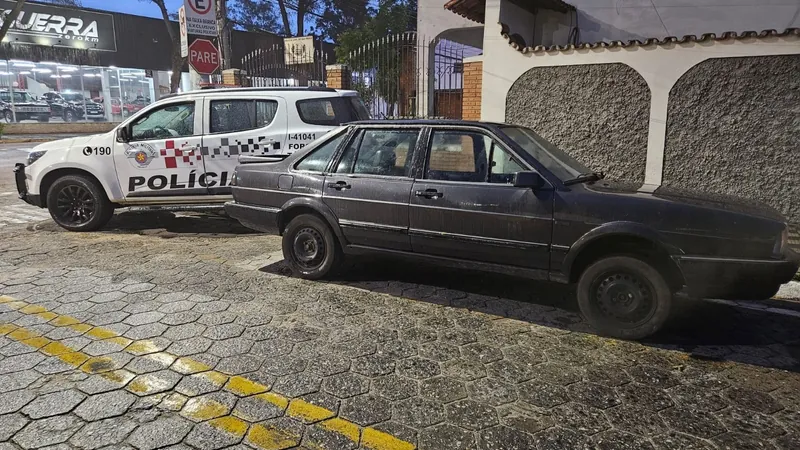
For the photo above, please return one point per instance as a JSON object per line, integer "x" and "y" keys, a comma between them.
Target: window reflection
{"x": 46, "y": 91}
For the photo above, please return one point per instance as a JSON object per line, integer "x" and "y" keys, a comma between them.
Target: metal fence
{"x": 281, "y": 66}
{"x": 408, "y": 76}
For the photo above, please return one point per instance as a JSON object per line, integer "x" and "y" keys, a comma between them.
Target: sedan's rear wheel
{"x": 624, "y": 297}
{"x": 310, "y": 247}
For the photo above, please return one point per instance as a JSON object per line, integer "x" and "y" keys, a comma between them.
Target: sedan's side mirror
{"x": 528, "y": 180}
{"x": 122, "y": 135}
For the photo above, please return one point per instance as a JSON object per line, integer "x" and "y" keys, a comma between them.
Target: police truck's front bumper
{"x": 22, "y": 186}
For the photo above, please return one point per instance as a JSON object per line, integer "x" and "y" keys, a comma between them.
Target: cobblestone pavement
{"x": 186, "y": 332}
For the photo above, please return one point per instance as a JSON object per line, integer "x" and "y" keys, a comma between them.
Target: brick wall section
{"x": 338, "y": 76}
{"x": 471, "y": 101}
{"x": 234, "y": 77}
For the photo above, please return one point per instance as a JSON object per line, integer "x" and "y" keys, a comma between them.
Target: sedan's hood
{"x": 689, "y": 197}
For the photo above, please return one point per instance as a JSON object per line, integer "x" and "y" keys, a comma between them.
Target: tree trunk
{"x": 287, "y": 30}
{"x": 223, "y": 33}
{"x": 11, "y": 18}
{"x": 177, "y": 67}
{"x": 301, "y": 17}
{"x": 177, "y": 60}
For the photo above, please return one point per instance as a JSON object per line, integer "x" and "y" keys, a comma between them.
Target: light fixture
{"x": 54, "y": 76}
{"x": 43, "y": 70}
{"x": 25, "y": 72}
{"x": 67, "y": 69}
{"x": 24, "y": 64}
{"x": 66, "y": 76}
{"x": 48, "y": 63}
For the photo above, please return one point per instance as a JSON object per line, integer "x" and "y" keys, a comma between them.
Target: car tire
{"x": 624, "y": 297}
{"x": 78, "y": 203}
{"x": 69, "y": 116}
{"x": 8, "y": 116}
{"x": 310, "y": 248}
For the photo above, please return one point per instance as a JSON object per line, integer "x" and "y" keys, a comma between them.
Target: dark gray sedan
{"x": 500, "y": 198}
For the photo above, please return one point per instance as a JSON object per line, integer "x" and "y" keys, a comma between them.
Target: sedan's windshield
{"x": 556, "y": 161}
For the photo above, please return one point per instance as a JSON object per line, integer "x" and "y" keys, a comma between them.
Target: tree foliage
{"x": 339, "y": 16}
{"x": 379, "y": 68}
{"x": 255, "y": 15}
{"x": 63, "y": 2}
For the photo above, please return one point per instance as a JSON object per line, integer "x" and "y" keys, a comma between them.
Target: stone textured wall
{"x": 734, "y": 128}
{"x": 598, "y": 113}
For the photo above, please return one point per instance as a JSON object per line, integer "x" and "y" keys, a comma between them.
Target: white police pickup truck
{"x": 180, "y": 151}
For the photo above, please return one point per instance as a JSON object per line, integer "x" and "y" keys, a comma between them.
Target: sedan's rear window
{"x": 331, "y": 111}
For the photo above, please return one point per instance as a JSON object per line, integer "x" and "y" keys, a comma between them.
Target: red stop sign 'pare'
{"x": 204, "y": 56}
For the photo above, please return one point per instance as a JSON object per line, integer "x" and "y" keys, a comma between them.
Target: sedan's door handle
{"x": 339, "y": 185}
{"x": 429, "y": 193}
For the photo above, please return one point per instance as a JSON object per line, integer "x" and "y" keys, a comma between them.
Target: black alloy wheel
{"x": 8, "y": 116}
{"x": 69, "y": 116}
{"x": 75, "y": 205}
{"x": 78, "y": 203}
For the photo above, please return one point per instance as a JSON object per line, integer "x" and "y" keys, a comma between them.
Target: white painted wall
{"x": 660, "y": 66}
{"x": 640, "y": 19}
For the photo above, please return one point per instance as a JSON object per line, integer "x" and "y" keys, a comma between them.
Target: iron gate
{"x": 407, "y": 76}
{"x": 276, "y": 67}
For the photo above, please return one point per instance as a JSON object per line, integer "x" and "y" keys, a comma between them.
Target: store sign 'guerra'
{"x": 201, "y": 17}
{"x": 60, "y": 27}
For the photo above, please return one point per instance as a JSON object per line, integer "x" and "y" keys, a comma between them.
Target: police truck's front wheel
{"x": 78, "y": 203}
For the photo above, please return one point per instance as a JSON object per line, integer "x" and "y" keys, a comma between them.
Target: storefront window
{"x": 49, "y": 91}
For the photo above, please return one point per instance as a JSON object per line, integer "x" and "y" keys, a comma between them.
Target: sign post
{"x": 184, "y": 32}
{"x": 204, "y": 56}
{"x": 201, "y": 17}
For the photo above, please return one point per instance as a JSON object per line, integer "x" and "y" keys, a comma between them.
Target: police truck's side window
{"x": 318, "y": 159}
{"x": 228, "y": 116}
{"x": 170, "y": 121}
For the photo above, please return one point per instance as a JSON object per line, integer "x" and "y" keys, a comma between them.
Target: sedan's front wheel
{"x": 624, "y": 297}
{"x": 310, "y": 247}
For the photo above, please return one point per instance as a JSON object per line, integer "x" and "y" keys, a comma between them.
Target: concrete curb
{"x": 23, "y": 140}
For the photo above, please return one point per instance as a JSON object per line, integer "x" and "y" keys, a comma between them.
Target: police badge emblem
{"x": 140, "y": 153}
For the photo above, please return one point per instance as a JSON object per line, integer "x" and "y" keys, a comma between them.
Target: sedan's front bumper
{"x": 22, "y": 186}
{"x": 259, "y": 218}
{"x": 726, "y": 278}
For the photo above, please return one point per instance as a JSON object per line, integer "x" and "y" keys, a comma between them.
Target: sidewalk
{"x": 24, "y": 138}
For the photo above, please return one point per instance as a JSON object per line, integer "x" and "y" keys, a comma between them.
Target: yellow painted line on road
{"x": 198, "y": 408}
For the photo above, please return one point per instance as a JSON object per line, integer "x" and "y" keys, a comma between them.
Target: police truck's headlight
{"x": 35, "y": 155}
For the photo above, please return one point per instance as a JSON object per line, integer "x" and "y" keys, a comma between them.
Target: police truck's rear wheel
{"x": 69, "y": 116}
{"x": 78, "y": 203}
{"x": 8, "y": 116}
{"x": 310, "y": 247}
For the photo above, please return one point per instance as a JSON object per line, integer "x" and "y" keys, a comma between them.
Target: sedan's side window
{"x": 318, "y": 159}
{"x": 469, "y": 156}
{"x": 380, "y": 152}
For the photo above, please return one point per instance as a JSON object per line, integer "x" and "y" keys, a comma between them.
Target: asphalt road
{"x": 185, "y": 331}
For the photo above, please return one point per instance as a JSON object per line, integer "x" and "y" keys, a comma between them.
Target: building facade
{"x": 76, "y": 59}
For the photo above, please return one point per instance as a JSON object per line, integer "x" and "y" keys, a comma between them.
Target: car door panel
{"x": 231, "y": 136}
{"x": 166, "y": 163}
{"x": 372, "y": 211}
{"x": 482, "y": 222}
{"x": 456, "y": 212}
{"x": 370, "y": 187}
